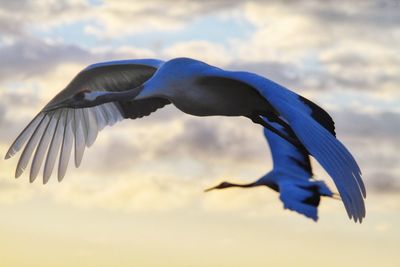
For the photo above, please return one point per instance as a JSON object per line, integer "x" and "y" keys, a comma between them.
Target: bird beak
{"x": 209, "y": 189}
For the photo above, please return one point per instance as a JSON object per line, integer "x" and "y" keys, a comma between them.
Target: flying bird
{"x": 291, "y": 176}
{"x": 107, "y": 92}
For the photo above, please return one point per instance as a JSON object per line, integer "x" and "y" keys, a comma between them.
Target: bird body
{"x": 185, "y": 83}
{"x": 107, "y": 92}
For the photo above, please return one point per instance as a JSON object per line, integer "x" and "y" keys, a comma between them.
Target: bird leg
{"x": 257, "y": 119}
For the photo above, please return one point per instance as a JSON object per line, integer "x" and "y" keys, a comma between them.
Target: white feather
{"x": 91, "y": 125}
{"x": 31, "y": 145}
{"x": 79, "y": 137}
{"x": 54, "y": 146}
{"x": 42, "y": 147}
{"x": 24, "y": 136}
{"x": 67, "y": 144}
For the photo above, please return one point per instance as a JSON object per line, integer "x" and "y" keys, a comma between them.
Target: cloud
{"x": 287, "y": 74}
{"x": 30, "y": 57}
{"x": 329, "y": 44}
{"x": 215, "y": 140}
{"x": 383, "y": 182}
{"x": 381, "y": 127}
{"x": 18, "y": 17}
{"x": 112, "y": 18}
{"x": 209, "y": 52}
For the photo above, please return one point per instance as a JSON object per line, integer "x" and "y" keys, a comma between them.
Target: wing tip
{"x": 18, "y": 172}
{"x": 9, "y": 155}
{"x": 60, "y": 177}
{"x": 45, "y": 180}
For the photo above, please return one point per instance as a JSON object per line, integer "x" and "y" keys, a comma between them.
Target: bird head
{"x": 171, "y": 78}
{"x": 159, "y": 85}
{"x": 81, "y": 99}
{"x": 149, "y": 90}
{"x": 222, "y": 185}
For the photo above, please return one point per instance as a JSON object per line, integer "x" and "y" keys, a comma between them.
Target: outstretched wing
{"x": 285, "y": 156}
{"x": 315, "y": 132}
{"x": 58, "y": 132}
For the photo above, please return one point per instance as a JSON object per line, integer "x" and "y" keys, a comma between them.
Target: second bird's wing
{"x": 285, "y": 156}
{"x": 315, "y": 130}
{"x": 58, "y": 132}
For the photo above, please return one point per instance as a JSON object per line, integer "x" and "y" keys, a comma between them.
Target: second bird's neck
{"x": 244, "y": 185}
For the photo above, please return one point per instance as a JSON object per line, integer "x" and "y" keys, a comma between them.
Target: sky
{"x": 137, "y": 199}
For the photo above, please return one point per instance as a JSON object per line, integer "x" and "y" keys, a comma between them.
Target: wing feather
{"x": 67, "y": 144}
{"x": 30, "y": 146}
{"x": 43, "y": 145}
{"x": 91, "y": 125}
{"x": 24, "y": 136}
{"x": 286, "y": 157}
{"x": 101, "y": 121}
{"x": 54, "y": 148}
{"x": 104, "y": 112}
{"x": 80, "y": 141}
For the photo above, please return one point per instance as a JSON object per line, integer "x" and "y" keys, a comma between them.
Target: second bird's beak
{"x": 209, "y": 189}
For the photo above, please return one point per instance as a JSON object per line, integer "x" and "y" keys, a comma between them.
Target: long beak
{"x": 210, "y": 189}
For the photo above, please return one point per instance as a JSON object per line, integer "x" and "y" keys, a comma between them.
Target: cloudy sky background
{"x": 137, "y": 199}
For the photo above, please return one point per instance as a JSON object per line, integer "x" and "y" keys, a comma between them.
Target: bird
{"x": 107, "y": 92}
{"x": 291, "y": 177}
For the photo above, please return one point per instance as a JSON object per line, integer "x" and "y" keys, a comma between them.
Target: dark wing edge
{"x": 286, "y": 157}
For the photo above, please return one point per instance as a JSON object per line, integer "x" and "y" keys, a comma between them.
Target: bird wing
{"x": 59, "y": 131}
{"x": 286, "y": 157}
{"x": 314, "y": 132}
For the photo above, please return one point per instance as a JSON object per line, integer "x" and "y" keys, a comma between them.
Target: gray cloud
{"x": 116, "y": 156}
{"x": 18, "y": 17}
{"x": 286, "y": 74}
{"x": 30, "y": 57}
{"x": 13, "y": 101}
{"x": 370, "y": 13}
{"x": 211, "y": 140}
{"x": 384, "y": 126}
{"x": 382, "y": 182}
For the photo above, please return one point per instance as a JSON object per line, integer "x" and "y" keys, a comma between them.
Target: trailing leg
{"x": 257, "y": 119}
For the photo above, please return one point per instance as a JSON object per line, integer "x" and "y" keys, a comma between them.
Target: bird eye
{"x": 79, "y": 96}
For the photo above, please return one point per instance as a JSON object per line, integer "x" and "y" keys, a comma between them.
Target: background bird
{"x": 291, "y": 176}
{"x": 107, "y": 92}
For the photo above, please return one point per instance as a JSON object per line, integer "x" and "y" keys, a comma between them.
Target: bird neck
{"x": 242, "y": 185}
{"x": 123, "y": 96}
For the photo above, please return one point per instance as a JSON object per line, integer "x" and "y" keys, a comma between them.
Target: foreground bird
{"x": 105, "y": 93}
{"x": 291, "y": 176}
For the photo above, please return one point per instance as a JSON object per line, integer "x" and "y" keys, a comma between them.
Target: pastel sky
{"x": 137, "y": 199}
